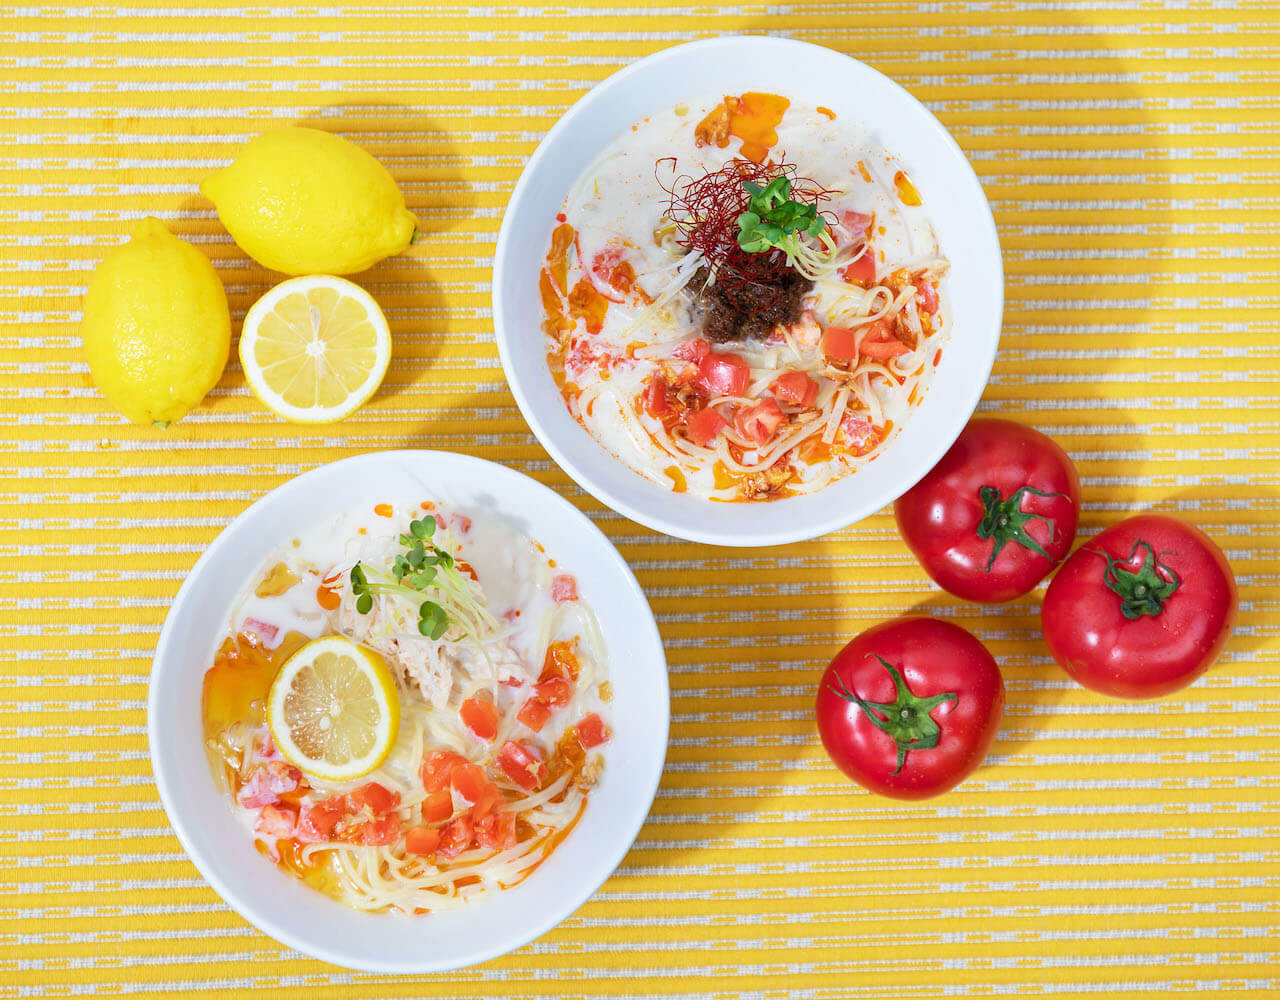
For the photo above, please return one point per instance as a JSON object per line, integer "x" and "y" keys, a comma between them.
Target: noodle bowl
{"x": 501, "y": 725}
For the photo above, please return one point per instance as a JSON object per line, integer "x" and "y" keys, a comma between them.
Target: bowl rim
{"x": 165, "y": 778}
{"x": 781, "y": 533}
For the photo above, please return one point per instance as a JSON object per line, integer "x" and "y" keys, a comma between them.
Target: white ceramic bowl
{"x": 303, "y": 918}
{"x": 805, "y": 73}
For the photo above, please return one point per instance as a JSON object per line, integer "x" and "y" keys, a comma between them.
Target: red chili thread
{"x": 705, "y": 211}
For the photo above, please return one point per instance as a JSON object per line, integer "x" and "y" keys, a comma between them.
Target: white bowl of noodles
{"x": 471, "y": 931}
{"x": 859, "y": 100}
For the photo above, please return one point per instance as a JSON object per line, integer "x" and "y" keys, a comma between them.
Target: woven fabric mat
{"x": 1131, "y": 154}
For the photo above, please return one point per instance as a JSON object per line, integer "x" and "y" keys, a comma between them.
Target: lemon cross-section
{"x": 315, "y": 348}
{"x": 333, "y": 710}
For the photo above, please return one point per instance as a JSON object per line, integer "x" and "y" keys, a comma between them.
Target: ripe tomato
{"x": 1142, "y": 609}
{"x": 1000, "y": 483}
{"x": 910, "y": 707}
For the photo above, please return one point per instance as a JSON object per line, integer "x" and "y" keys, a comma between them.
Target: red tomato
{"x": 795, "y": 388}
{"x": 378, "y": 832}
{"x": 880, "y": 344}
{"x": 470, "y": 782}
{"x": 910, "y": 707}
{"x": 1000, "y": 483}
{"x": 759, "y": 423}
{"x": 702, "y": 426}
{"x": 591, "y": 731}
{"x": 534, "y": 713}
{"x": 497, "y": 831}
{"x": 564, "y": 587}
{"x": 438, "y": 806}
{"x": 927, "y": 296}
{"x": 655, "y": 397}
{"x": 1141, "y": 609}
{"x": 422, "y": 840}
{"x": 456, "y": 837}
{"x": 316, "y": 822}
{"x": 553, "y": 692}
{"x": 437, "y": 769}
{"x": 857, "y": 223}
{"x": 723, "y": 375}
{"x": 839, "y": 344}
{"x": 522, "y": 764}
{"x": 862, "y": 269}
{"x": 692, "y": 350}
{"x": 481, "y": 717}
{"x": 374, "y": 797}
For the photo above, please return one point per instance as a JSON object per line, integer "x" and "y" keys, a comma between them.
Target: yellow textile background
{"x": 1131, "y": 153}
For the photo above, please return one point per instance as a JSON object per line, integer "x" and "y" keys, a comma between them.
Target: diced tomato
{"x": 534, "y": 714}
{"x": 591, "y": 731}
{"x": 928, "y": 296}
{"x": 422, "y": 840}
{"x": 553, "y": 692}
{"x": 702, "y": 426}
{"x": 856, "y": 223}
{"x": 316, "y": 822}
{"x": 513, "y": 681}
{"x": 438, "y": 806}
{"x": 437, "y": 769}
{"x": 456, "y": 837}
{"x": 373, "y": 796}
{"x": 795, "y": 388}
{"x": 723, "y": 374}
{"x": 379, "y": 832}
{"x": 471, "y": 783}
{"x": 759, "y": 423}
{"x": 860, "y": 436}
{"x": 481, "y": 717}
{"x": 522, "y": 764}
{"x": 610, "y": 267}
{"x": 564, "y": 588}
{"x": 880, "y": 344}
{"x": 655, "y": 397}
{"x": 692, "y": 350}
{"x": 839, "y": 344}
{"x": 497, "y": 831}
{"x": 276, "y": 821}
{"x": 862, "y": 269}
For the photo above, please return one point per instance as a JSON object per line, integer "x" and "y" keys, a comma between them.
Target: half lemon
{"x": 333, "y": 709}
{"x": 315, "y": 348}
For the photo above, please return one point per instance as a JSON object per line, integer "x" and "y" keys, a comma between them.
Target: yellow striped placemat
{"x": 1130, "y": 151}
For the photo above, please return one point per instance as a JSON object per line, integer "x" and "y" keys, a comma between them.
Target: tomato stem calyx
{"x": 906, "y": 719}
{"x": 1005, "y": 521}
{"x": 1142, "y": 592}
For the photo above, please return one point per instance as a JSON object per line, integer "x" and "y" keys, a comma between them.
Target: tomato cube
{"x": 534, "y": 713}
{"x": 438, "y": 806}
{"x": 758, "y": 423}
{"x": 481, "y": 717}
{"x": 723, "y": 375}
{"x": 522, "y": 764}
{"x": 702, "y": 426}
{"x": 591, "y": 731}
{"x": 795, "y": 388}
{"x": 422, "y": 840}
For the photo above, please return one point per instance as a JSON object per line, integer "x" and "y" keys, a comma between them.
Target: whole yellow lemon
{"x": 303, "y": 201}
{"x": 156, "y": 326}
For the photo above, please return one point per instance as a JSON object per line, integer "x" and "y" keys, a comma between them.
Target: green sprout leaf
{"x": 774, "y": 221}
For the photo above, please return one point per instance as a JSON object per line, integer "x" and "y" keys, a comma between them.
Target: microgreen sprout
{"x": 773, "y": 221}
{"x": 421, "y": 565}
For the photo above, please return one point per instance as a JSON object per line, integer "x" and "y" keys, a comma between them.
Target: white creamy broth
{"x": 617, "y": 209}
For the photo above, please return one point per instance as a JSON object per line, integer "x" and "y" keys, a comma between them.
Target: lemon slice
{"x": 333, "y": 709}
{"x": 315, "y": 348}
